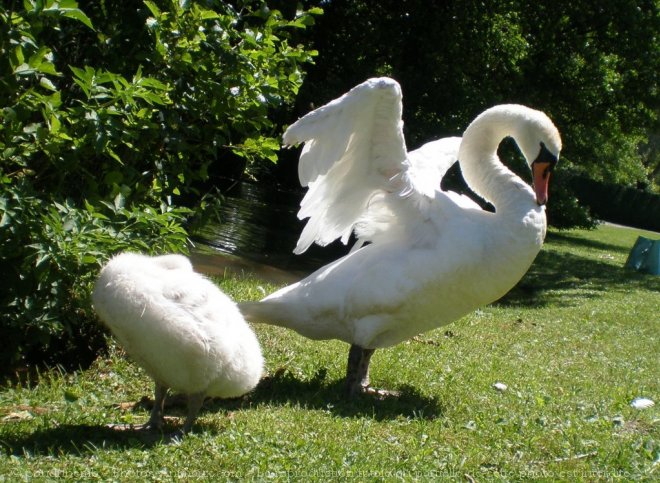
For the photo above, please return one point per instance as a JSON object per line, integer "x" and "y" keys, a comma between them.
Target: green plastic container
{"x": 645, "y": 256}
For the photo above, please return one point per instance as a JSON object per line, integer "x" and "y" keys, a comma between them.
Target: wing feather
{"x": 354, "y": 148}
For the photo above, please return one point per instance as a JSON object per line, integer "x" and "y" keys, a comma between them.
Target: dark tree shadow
{"x": 567, "y": 239}
{"x": 567, "y": 279}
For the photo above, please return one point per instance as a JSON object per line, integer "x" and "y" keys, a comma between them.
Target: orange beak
{"x": 541, "y": 174}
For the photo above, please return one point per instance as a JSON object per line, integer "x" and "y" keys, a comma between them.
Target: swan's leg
{"x": 156, "y": 417}
{"x": 195, "y": 402}
{"x": 357, "y": 370}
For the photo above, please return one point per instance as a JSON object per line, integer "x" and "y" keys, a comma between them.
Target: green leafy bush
{"x": 113, "y": 117}
{"x": 51, "y": 252}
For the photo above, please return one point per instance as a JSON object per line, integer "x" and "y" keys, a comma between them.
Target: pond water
{"x": 258, "y": 233}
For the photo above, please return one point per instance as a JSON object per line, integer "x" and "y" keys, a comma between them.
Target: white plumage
{"x": 179, "y": 326}
{"x": 434, "y": 256}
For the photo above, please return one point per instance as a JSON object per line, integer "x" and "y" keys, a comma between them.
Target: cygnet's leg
{"x": 156, "y": 417}
{"x": 195, "y": 402}
{"x": 357, "y": 370}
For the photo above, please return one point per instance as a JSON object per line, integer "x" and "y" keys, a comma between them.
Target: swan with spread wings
{"x": 424, "y": 257}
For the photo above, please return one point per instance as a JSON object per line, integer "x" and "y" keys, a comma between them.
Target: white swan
{"x": 434, "y": 256}
{"x": 179, "y": 326}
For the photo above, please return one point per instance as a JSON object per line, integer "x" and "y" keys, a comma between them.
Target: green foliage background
{"x": 113, "y": 115}
{"x": 591, "y": 66}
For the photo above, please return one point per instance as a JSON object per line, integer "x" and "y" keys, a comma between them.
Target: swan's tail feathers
{"x": 252, "y": 311}
{"x": 263, "y": 312}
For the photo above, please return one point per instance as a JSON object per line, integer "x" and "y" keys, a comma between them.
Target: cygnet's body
{"x": 179, "y": 326}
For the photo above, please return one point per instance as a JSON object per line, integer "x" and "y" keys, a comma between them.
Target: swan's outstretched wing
{"x": 405, "y": 213}
{"x": 354, "y": 149}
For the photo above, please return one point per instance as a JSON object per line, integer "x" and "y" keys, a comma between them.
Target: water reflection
{"x": 259, "y": 224}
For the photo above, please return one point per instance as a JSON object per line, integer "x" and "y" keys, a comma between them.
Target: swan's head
{"x": 536, "y": 136}
{"x": 539, "y": 140}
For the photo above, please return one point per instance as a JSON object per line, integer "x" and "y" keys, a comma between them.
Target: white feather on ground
{"x": 642, "y": 403}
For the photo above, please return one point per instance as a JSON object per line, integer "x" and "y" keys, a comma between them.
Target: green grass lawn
{"x": 575, "y": 342}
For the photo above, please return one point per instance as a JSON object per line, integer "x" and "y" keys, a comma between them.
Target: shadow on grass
{"x": 568, "y": 279}
{"x": 84, "y": 439}
{"x": 318, "y": 393}
{"x": 78, "y": 439}
{"x": 283, "y": 388}
{"x": 567, "y": 239}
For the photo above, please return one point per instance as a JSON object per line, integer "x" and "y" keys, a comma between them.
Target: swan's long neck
{"x": 482, "y": 168}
